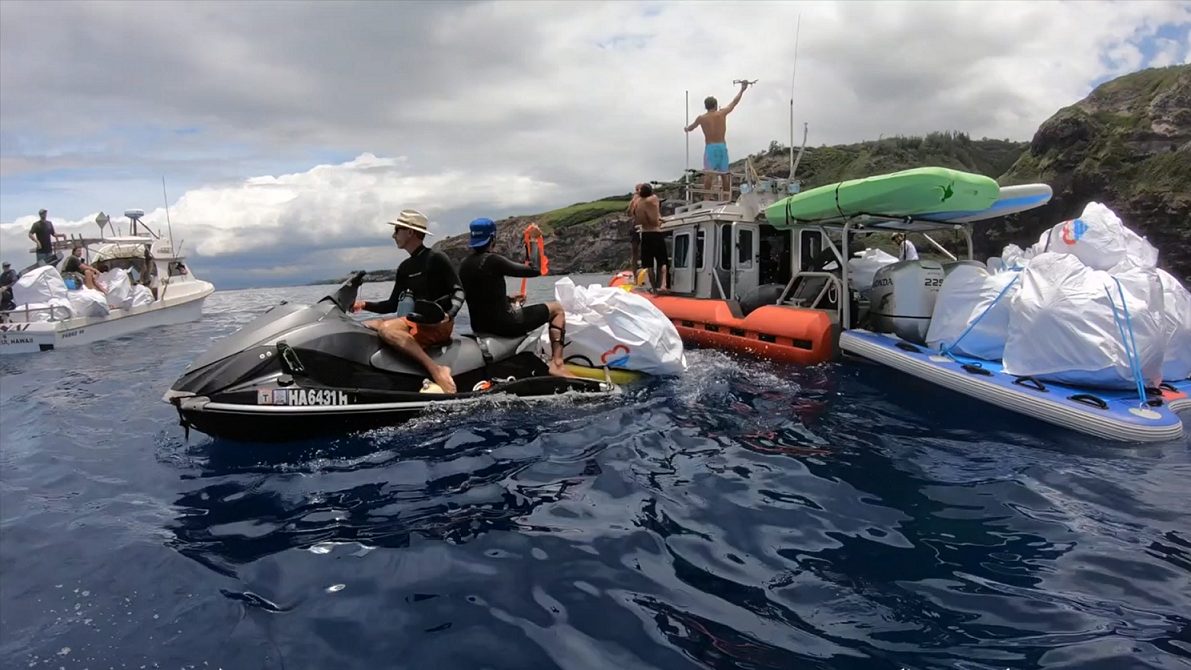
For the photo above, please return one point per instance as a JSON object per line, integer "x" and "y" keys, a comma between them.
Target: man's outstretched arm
{"x": 732, "y": 105}
{"x": 695, "y": 123}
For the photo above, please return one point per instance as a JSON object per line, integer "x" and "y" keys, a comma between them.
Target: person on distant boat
{"x": 634, "y": 233}
{"x": 647, "y": 216}
{"x": 42, "y": 234}
{"x": 426, "y": 276}
{"x": 492, "y": 311}
{"x": 714, "y": 123}
{"x": 76, "y": 268}
{"x": 907, "y": 251}
{"x": 7, "y": 279}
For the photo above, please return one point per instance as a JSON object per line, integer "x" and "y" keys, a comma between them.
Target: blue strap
{"x": 946, "y": 351}
{"x": 1128, "y": 341}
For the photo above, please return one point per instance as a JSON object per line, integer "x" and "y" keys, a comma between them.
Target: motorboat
{"x": 177, "y": 294}
{"x": 773, "y": 274}
{"x": 298, "y": 371}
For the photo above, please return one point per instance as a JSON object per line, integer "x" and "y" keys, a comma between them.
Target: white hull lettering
{"x": 299, "y": 397}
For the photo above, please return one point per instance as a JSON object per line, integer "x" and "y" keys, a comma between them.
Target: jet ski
{"x": 299, "y": 371}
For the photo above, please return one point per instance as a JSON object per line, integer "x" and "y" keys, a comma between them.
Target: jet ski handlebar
{"x": 346, "y": 295}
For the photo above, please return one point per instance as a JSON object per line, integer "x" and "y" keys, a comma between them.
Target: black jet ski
{"x": 299, "y": 371}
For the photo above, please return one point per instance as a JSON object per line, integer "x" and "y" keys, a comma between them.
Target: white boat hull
{"x": 19, "y": 336}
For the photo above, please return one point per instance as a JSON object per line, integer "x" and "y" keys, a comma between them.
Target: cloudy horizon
{"x": 288, "y": 133}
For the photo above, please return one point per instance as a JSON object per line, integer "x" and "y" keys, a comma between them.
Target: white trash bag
{"x": 864, "y": 267}
{"x": 1062, "y": 325}
{"x": 118, "y": 287}
{"x": 1176, "y": 313}
{"x": 141, "y": 296}
{"x": 89, "y": 302}
{"x": 971, "y": 294}
{"x": 1101, "y": 241}
{"x": 610, "y": 326}
{"x": 40, "y": 286}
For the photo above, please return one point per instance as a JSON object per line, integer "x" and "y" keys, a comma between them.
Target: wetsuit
{"x": 427, "y": 275}
{"x": 483, "y": 275}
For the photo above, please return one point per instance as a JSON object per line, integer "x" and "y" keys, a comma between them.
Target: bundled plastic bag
{"x": 971, "y": 295}
{"x": 1176, "y": 315}
{"x": 39, "y": 286}
{"x": 1013, "y": 256}
{"x": 610, "y": 326}
{"x": 118, "y": 287}
{"x": 1101, "y": 241}
{"x": 1067, "y": 319}
{"x": 88, "y": 302}
{"x": 141, "y": 296}
{"x": 864, "y": 267}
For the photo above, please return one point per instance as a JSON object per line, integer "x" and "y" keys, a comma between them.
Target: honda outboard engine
{"x": 903, "y": 298}
{"x": 950, "y": 266}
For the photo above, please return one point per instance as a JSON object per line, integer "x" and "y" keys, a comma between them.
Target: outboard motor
{"x": 950, "y": 266}
{"x": 903, "y": 298}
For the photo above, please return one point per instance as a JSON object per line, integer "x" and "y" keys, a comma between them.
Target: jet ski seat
{"x": 461, "y": 355}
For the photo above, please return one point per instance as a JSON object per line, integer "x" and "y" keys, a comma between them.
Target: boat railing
{"x": 833, "y": 283}
{"x": 13, "y": 315}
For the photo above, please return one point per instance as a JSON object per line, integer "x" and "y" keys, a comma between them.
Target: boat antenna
{"x": 169, "y": 226}
{"x": 794, "y": 167}
{"x": 686, "y": 170}
{"x": 797, "y": 29}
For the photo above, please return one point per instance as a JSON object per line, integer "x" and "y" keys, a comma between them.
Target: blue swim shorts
{"x": 715, "y": 157}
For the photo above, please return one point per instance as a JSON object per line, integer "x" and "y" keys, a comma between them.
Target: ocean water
{"x": 746, "y": 515}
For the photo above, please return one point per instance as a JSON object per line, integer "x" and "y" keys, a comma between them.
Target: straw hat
{"x": 414, "y": 220}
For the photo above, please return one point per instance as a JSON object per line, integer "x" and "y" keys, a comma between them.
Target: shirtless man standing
{"x": 647, "y": 216}
{"x": 714, "y": 123}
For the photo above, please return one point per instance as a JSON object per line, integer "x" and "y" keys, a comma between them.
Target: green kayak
{"x": 917, "y": 191}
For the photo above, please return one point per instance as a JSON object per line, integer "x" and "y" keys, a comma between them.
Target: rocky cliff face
{"x": 1127, "y": 145}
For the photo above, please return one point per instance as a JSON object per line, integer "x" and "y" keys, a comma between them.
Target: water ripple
{"x": 748, "y": 515}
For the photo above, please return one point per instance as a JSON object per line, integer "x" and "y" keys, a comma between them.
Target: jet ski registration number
{"x": 301, "y": 397}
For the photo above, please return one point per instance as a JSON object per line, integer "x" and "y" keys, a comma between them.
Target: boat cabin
{"x": 727, "y": 250}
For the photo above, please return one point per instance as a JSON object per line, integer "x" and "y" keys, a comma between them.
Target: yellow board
{"x": 618, "y": 377}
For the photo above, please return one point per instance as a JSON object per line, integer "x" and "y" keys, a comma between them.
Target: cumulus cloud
{"x": 320, "y": 221}
{"x": 500, "y": 106}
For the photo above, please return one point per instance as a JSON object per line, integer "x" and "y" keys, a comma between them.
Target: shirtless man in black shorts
{"x": 492, "y": 311}
{"x": 647, "y": 215}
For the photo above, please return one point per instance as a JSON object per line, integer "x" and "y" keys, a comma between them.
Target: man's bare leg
{"x": 395, "y": 333}
{"x": 665, "y": 277}
{"x": 89, "y": 281}
{"x": 726, "y": 188}
{"x": 707, "y": 179}
{"x": 557, "y": 331}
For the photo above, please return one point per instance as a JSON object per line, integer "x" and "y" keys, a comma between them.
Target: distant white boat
{"x": 178, "y": 298}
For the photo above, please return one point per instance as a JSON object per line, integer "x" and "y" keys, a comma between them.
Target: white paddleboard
{"x": 1012, "y": 199}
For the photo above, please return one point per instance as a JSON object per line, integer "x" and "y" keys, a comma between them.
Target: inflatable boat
{"x": 1114, "y": 414}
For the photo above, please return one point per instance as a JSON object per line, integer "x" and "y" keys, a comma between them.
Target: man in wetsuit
{"x": 492, "y": 311}
{"x": 42, "y": 234}
{"x": 647, "y": 215}
{"x": 714, "y": 123}
{"x": 427, "y": 275}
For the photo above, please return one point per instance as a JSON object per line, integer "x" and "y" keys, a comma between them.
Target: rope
{"x": 946, "y": 351}
{"x": 1127, "y": 341}
{"x": 543, "y": 262}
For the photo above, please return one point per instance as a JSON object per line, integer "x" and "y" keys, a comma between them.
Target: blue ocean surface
{"x": 745, "y": 515}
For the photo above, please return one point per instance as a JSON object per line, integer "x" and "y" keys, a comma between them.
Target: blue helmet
{"x": 482, "y": 232}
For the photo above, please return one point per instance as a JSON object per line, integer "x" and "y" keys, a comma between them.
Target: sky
{"x": 288, "y": 133}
